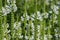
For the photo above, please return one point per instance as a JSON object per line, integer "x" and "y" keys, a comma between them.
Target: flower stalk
{"x": 49, "y": 31}
{"x": 1, "y": 28}
{"x": 43, "y": 23}
{"x": 12, "y": 22}
{"x": 53, "y": 33}
{"x": 35, "y": 22}
{"x": 25, "y": 12}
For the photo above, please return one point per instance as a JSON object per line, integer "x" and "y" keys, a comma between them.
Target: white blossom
{"x": 28, "y": 17}
{"x": 4, "y": 11}
{"x": 8, "y": 1}
{"x": 22, "y": 19}
{"x": 45, "y": 37}
{"x": 47, "y": 2}
{"x": 50, "y": 11}
{"x": 8, "y": 31}
{"x": 46, "y": 15}
{"x": 26, "y": 37}
{"x": 4, "y": 38}
{"x": 15, "y": 8}
{"x": 56, "y": 35}
{"x": 38, "y": 13}
{"x": 21, "y": 36}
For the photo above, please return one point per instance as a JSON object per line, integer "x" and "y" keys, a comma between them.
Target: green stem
{"x": 5, "y": 22}
{"x": 41, "y": 31}
{"x": 17, "y": 25}
{"x": 53, "y": 33}
{"x": 43, "y": 23}
{"x": 49, "y": 31}
{"x": 12, "y": 25}
{"x": 35, "y": 22}
{"x": 29, "y": 29}
{"x": 59, "y": 23}
{"x": 1, "y": 28}
{"x": 25, "y": 12}
{"x": 12, "y": 22}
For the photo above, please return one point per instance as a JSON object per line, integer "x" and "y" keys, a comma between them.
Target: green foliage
{"x": 33, "y": 20}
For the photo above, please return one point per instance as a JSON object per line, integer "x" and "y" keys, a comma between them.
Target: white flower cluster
{"x": 17, "y": 28}
{"x": 40, "y": 16}
{"x": 6, "y": 10}
{"x": 55, "y": 8}
{"x": 47, "y": 2}
{"x": 9, "y": 7}
{"x": 55, "y": 13}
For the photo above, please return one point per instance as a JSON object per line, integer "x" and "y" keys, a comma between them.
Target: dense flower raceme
{"x": 9, "y": 7}
{"x": 40, "y": 17}
{"x": 32, "y": 25}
